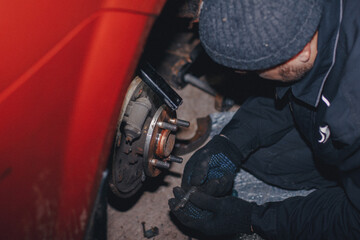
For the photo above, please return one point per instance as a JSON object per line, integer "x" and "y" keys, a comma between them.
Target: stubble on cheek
{"x": 294, "y": 73}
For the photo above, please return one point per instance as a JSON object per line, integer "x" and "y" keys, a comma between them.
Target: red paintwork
{"x": 64, "y": 69}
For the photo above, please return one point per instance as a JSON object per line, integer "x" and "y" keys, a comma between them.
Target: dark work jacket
{"x": 325, "y": 108}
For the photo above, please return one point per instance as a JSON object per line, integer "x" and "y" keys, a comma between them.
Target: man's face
{"x": 295, "y": 68}
{"x": 288, "y": 72}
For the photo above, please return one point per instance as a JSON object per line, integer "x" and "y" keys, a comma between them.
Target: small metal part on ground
{"x": 152, "y": 232}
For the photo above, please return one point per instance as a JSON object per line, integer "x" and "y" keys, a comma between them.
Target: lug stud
{"x": 175, "y": 159}
{"x": 179, "y": 122}
{"x": 160, "y": 164}
{"x": 168, "y": 126}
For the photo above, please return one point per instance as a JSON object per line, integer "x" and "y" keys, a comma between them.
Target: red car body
{"x": 64, "y": 70}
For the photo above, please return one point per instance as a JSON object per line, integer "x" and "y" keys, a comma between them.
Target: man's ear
{"x": 304, "y": 55}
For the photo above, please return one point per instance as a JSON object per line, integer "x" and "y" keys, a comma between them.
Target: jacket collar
{"x": 309, "y": 88}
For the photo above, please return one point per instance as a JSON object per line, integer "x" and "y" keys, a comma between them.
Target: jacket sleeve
{"x": 258, "y": 123}
{"x": 324, "y": 214}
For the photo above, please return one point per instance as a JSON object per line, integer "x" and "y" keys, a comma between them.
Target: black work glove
{"x": 211, "y": 215}
{"x": 212, "y": 167}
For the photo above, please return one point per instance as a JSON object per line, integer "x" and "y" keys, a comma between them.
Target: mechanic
{"x": 306, "y": 137}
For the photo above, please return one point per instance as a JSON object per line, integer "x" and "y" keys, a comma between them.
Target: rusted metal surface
{"x": 153, "y": 140}
{"x": 202, "y": 133}
{"x": 165, "y": 143}
{"x": 145, "y": 139}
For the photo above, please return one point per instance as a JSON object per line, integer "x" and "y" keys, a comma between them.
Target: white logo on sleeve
{"x": 325, "y": 134}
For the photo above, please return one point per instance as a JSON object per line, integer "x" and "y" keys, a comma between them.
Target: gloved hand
{"x": 212, "y": 167}
{"x": 211, "y": 215}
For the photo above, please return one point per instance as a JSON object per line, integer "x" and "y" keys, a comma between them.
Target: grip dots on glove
{"x": 219, "y": 166}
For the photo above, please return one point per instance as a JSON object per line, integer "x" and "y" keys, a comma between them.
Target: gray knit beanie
{"x": 257, "y": 34}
